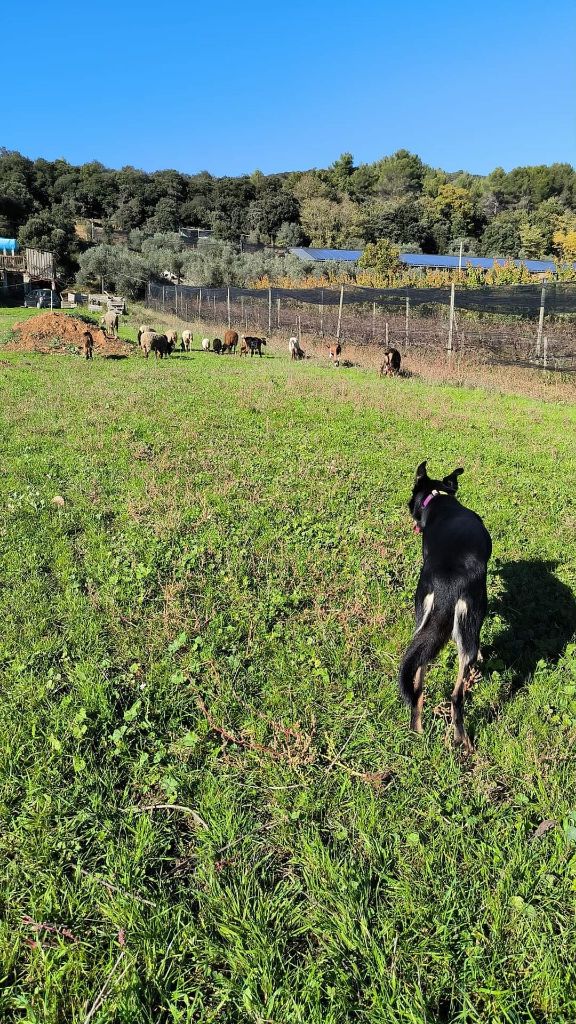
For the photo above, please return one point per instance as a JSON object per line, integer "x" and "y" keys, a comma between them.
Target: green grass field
{"x": 211, "y": 807}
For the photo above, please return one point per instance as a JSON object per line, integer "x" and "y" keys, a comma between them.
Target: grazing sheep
{"x": 172, "y": 337}
{"x": 252, "y": 345}
{"x": 146, "y": 342}
{"x": 334, "y": 352}
{"x": 205, "y": 344}
{"x": 110, "y": 322}
{"x": 162, "y": 345}
{"x": 391, "y": 365}
{"x": 230, "y": 341}
{"x": 157, "y": 343}
{"x": 294, "y": 349}
{"x": 186, "y": 343}
{"x": 88, "y": 345}
{"x": 217, "y": 346}
{"x": 143, "y": 329}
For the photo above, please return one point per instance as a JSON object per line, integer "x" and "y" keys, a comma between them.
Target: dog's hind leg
{"x": 466, "y": 633}
{"x": 418, "y": 701}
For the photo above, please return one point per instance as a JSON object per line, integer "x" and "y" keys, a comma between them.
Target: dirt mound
{"x": 59, "y": 333}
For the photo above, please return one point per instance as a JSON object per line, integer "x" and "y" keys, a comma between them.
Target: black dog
{"x": 451, "y": 594}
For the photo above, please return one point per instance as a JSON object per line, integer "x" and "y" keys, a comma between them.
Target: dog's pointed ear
{"x": 451, "y": 481}
{"x": 421, "y": 473}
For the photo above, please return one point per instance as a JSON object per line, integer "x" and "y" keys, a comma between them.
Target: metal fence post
{"x": 407, "y": 320}
{"x": 269, "y": 311}
{"x": 228, "y": 305}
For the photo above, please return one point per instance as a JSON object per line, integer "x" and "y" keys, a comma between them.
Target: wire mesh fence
{"x": 530, "y": 325}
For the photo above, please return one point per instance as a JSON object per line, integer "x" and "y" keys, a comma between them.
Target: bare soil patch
{"x": 61, "y": 334}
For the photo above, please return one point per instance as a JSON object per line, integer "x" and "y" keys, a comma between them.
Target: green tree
{"x": 320, "y": 221}
{"x": 502, "y": 236}
{"x": 383, "y": 257}
{"x": 268, "y": 213}
{"x": 534, "y": 241}
{"x": 400, "y": 174}
{"x": 53, "y": 231}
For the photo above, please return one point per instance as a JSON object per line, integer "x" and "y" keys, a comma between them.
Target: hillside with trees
{"x": 527, "y": 212}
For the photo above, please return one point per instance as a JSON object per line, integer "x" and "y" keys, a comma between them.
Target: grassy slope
{"x": 237, "y": 531}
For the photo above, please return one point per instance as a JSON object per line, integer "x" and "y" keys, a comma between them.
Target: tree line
{"x": 527, "y": 212}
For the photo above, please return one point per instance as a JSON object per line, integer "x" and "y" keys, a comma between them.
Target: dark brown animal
{"x": 391, "y": 365}
{"x": 253, "y": 345}
{"x": 150, "y": 341}
{"x": 217, "y": 346}
{"x": 88, "y": 345}
{"x": 334, "y": 352}
{"x": 162, "y": 345}
{"x": 230, "y": 341}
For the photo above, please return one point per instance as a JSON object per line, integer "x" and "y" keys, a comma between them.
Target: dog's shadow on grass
{"x": 538, "y": 615}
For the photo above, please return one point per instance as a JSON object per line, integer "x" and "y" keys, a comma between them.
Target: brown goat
{"x": 230, "y": 341}
{"x": 334, "y": 352}
{"x": 88, "y": 345}
{"x": 391, "y": 365}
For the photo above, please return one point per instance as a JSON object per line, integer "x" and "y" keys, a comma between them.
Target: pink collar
{"x": 427, "y": 500}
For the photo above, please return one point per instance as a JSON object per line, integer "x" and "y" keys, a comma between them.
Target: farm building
{"x": 425, "y": 261}
{"x": 22, "y": 270}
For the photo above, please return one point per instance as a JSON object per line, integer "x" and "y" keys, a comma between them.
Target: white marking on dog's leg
{"x": 428, "y": 605}
{"x": 460, "y": 611}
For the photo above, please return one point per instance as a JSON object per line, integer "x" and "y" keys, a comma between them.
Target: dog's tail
{"x": 431, "y": 635}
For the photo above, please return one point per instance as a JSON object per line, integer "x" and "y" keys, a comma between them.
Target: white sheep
{"x": 294, "y": 349}
{"x": 205, "y": 344}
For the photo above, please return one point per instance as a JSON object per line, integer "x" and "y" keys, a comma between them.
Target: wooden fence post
{"x": 373, "y": 321}
{"x": 340, "y": 313}
{"x": 545, "y": 352}
{"x": 386, "y": 335}
{"x": 199, "y": 303}
{"x": 321, "y": 312}
{"x": 541, "y": 319}
{"x": 407, "y": 321}
{"x": 451, "y": 322}
{"x": 278, "y": 312}
{"x": 299, "y": 331}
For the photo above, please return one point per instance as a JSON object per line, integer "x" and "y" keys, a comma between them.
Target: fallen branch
{"x": 115, "y": 888}
{"x": 296, "y": 750}
{"x": 105, "y": 990}
{"x": 172, "y": 807}
{"x": 45, "y": 926}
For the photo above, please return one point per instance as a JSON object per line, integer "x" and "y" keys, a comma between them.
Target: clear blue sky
{"x": 230, "y": 87}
